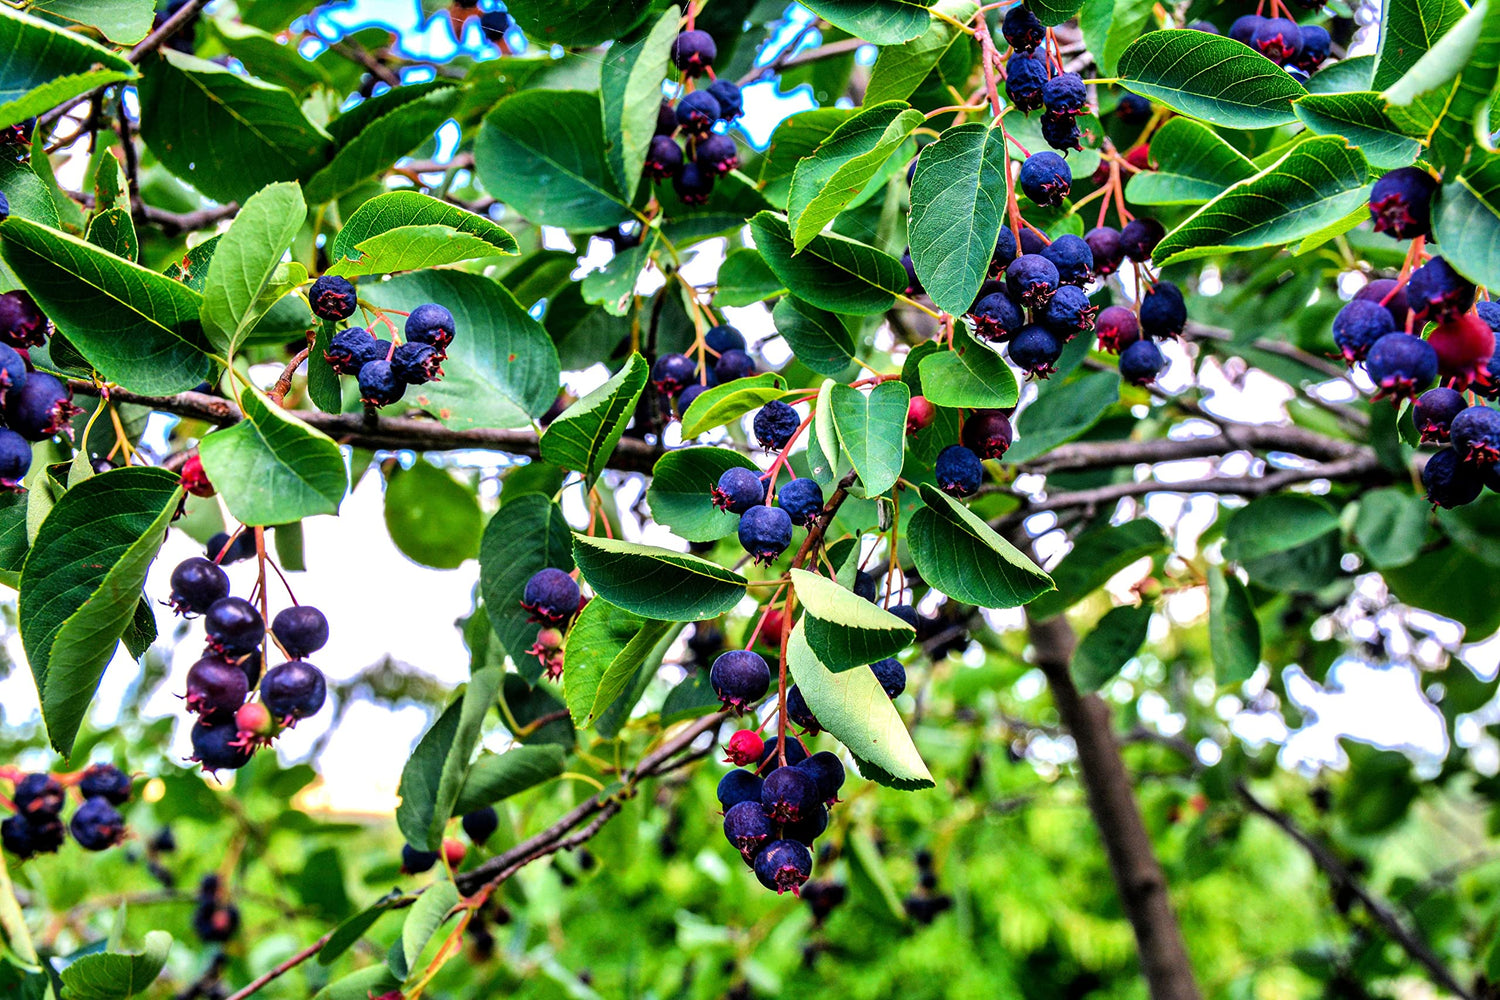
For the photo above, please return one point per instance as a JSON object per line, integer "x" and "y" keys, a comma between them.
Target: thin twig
{"x": 282, "y": 969}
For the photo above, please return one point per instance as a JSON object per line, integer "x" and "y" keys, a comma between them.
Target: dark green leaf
{"x": 433, "y": 519}
{"x": 435, "y": 772}
{"x": 427, "y": 914}
{"x": 971, "y": 375}
{"x": 719, "y": 405}
{"x": 1096, "y": 556}
{"x": 1275, "y": 524}
{"x": 1466, "y": 220}
{"x": 1117, "y": 637}
{"x": 654, "y": 582}
{"x": 1061, "y": 412}
{"x": 112, "y": 231}
{"x": 1210, "y": 77}
{"x": 1407, "y": 30}
{"x": 1233, "y": 631}
{"x": 367, "y": 982}
{"x": 109, "y": 975}
{"x": 420, "y": 231}
{"x": 352, "y": 929}
{"x": 744, "y": 278}
{"x": 577, "y": 23}
{"x": 630, "y": 90}
{"x": 899, "y": 69}
{"x": 583, "y": 435}
{"x": 1353, "y": 73}
{"x": 1442, "y": 581}
{"x": 871, "y": 429}
{"x": 680, "y": 492}
{"x": 1359, "y": 117}
{"x": 1391, "y": 526}
{"x": 382, "y": 142}
{"x": 883, "y": 22}
{"x": 497, "y": 776}
{"x": 261, "y": 53}
{"x": 843, "y": 629}
{"x": 827, "y": 182}
{"x": 820, "y": 339}
{"x": 46, "y": 66}
{"x": 1194, "y": 165}
{"x": 1109, "y": 26}
{"x": 957, "y": 211}
{"x": 526, "y": 535}
{"x": 795, "y": 138}
{"x": 964, "y": 558}
{"x": 323, "y": 386}
{"x": 123, "y": 22}
{"x": 831, "y": 272}
{"x": 271, "y": 468}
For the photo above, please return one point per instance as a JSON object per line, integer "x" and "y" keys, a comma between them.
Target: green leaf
{"x": 422, "y": 227}
{"x": 424, "y": 918}
{"x": 679, "y": 495}
{"x": 1467, "y": 59}
{"x": 1277, "y": 523}
{"x": 583, "y": 435}
{"x": 577, "y": 23}
{"x": 435, "y": 772}
{"x": 542, "y": 153}
{"x": 1408, "y": 28}
{"x": 1117, "y": 637}
{"x": 630, "y": 90}
{"x": 657, "y": 583}
{"x": 963, "y": 557}
{"x": 825, "y": 183}
{"x": 361, "y": 985}
{"x": 871, "y": 429}
{"x": 323, "y": 386}
{"x": 819, "y": 339}
{"x": 957, "y": 211}
{"x": 502, "y": 369}
{"x": 137, "y": 328}
{"x": 261, "y": 53}
{"x": 1233, "y": 631}
{"x": 881, "y": 22}
{"x": 497, "y": 776}
{"x": 843, "y": 629}
{"x": 1210, "y": 77}
{"x": 1054, "y": 12}
{"x": 526, "y": 535}
{"x": 225, "y": 134}
{"x": 1061, "y": 412}
{"x": 744, "y": 279}
{"x": 1466, "y": 221}
{"x": 1194, "y": 165}
{"x": 1442, "y": 580}
{"x": 1109, "y": 26}
{"x": 832, "y": 272}
{"x": 1096, "y": 556}
{"x": 605, "y": 648}
{"x": 383, "y": 141}
{"x": 1319, "y": 182}
{"x": 1353, "y": 73}
{"x": 971, "y": 375}
{"x": 729, "y": 401}
{"x": 855, "y": 710}
{"x": 1391, "y": 526}
{"x": 1359, "y": 117}
{"x": 112, "y": 975}
{"x": 81, "y": 583}
{"x": 795, "y": 138}
{"x": 245, "y": 261}
{"x": 613, "y": 285}
{"x": 46, "y": 66}
{"x": 123, "y": 22}
{"x": 113, "y": 231}
{"x": 899, "y": 69}
{"x": 433, "y": 518}
{"x": 353, "y": 928}
{"x": 271, "y": 468}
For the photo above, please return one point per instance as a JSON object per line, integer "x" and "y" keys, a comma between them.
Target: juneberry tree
{"x": 1037, "y": 426}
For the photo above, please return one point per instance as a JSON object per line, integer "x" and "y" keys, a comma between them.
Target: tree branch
{"x": 171, "y": 223}
{"x": 283, "y": 968}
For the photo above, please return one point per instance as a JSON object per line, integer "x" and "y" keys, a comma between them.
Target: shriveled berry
{"x": 996, "y": 317}
{"x": 41, "y": 408}
{"x": 733, "y": 365}
{"x": 744, "y": 747}
{"x": 216, "y": 688}
{"x": 301, "y": 630}
{"x": 1163, "y": 312}
{"x": 1464, "y": 345}
{"x": 1022, "y": 28}
{"x": 827, "y": 772}
{"x": 739, "y": 786}
{"x": 958, "y": 471}
{"x": 671, "y": 372}
{"x": 1065, "y": 94}
{"x": 1475, "y": 433}
{"x": 1435, "y": 292}
{"x": 693, "y": 52}
{"x": 1069, "y": 313}
{"x": 802, "y": 499}
{"x": 774, "y": 425}
{"x": 784, "y": 865}
{"x": 1450, "y": 481}
{"x": 1073, "y": 259}
{"x": 1316, "y": 43}
{"x": 1117, "y": 328}
{"x": 1401, "y": 365}
{"x": 22, "y": 324}
{"x": 731, "y": 100}
{"x": 379, "y": 385}
{"x": 550, "y": 597}
{"x": 349, "y": 350}
{"x": 1434, "y": 411}
{"x": 1025, "y": 76}
{"x": 1104, "y": 244}
{"x": 480, "y": 824}
{"x": 333, "y": 298}
{"x": 1035, "y": 350}
{"x": 788, "y": 794}
{"x": 217, "y": 746}
{"x": 415, "y": 862}
{"x": 717, "y": 154}
{"x": 97, "y": 825}
{"x": 417, "y": 364}
{"x": 1046, "y": 178}
{"x": 105, "y": 781}
{"x": 233, "y": 626}
{"x": 740, "y": 677}
{"x": 663, "y": 157}
{"x": 1358, "y": 325}
{"x": 1278, "y": 39}
{"x": 1031, "y": 280}
{"x": 697, "y": 112}
{"x": 38, "y": 794}
{"x": 799, "y": 714}
{"x": 1139, "y": 237}
{"x": 724, "y": 338}
{"x": 430, "y": 324}
{"x": 739, "y": 489}
{"x": 1061, "y": 131}
{"x": 196, "y": 584}
{"x": 987, "y": 433}
{"x": 748, "y": 828}
{"x": 1141, "y": 362}
{"x": 765, "y": 532}
{"x": 294, "y": 690}
{"x": 891, "y": 675}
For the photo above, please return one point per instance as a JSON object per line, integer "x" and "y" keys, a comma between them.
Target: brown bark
{"x": 1132, "y": 859}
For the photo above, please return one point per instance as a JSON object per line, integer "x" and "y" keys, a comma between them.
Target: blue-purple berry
{"x": 891, "y": 675}
{"x": 1358, "y": 325}
{"x": 1025, "y": 76}
{"x": 1046, "y": 178}
{"x": 1163, "y": 311}
{"x": 1104, "y": 244}
{"x": 1316, "y": 43}
{"x": 731, "y": 100}
{"x": 1073, "y": 259}
{"x": 97, "y": 825}
{"x": 233, "y": 625}
{"x": 827, "y": 772}
{"x": 349, "y": 350}
{"x": 294, "y": 690}
{"x": 379, "y": 385}
{"x": 671, "y": 372}
{"x": 717, "y": 154}
{"x": 765, "y": 532}
{"x": 788, "y": 794}
{"x": 1031, "y": 280}
{"x": 1065, "y": 94}
{"x": 958, "y": 471}
{"x": 550, "y": 597}
{"x": 1140, "y": 236}
{"x": 417, "y": 364}
{"x": 738, "y": 489}
{"x": 663, "y": 157}
{"x": 996, "y": 317}
{"x": 724, "y": 338}
{"x": 693, "y": 185}
{"x": 1069, "y": 313}
{"x": 1475, "y": 433}
{"x": 333, "y": 298}
{"x": 1035, "y": 350}
{"x": 693, "y": 52}
{"x": 105, "y": 781}
{"x": 697, "y": 112}
{"x": 1401, "y": 365}
{"x": 783, "y": 866}
{"x": 739, "y": 785}
{"x": 1436, "y": 293}
{"x": 430, "y": 324}
{"x": 733, "y": 365}
{"x": 1022, "y": 28}
{"x": 740, "y": 678}
{"x": 1278, "y": 39}
{"x": 802, "y": 499}
{"x": 1141, "y": 362}
{"x": 1401, "y": 203}
{"x": 748, "y": 828}
{"x": 301, "y": 630}
{"x": 196, "y": 584}
{"x": 1450, "y": 481}
{"x": 1434, "y": 410}
{"x": 774, "y": 425}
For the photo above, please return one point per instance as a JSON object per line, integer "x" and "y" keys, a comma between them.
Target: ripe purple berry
{"x": 697, "y": 112}
{"x": 1277, "y": 38}
{"x": 97, "y": 825}
{"x": 1072, "y": 257}
{"x": 717, "y": 154}
{"x": 379, "y": 385}
{"x": 550, "y": 597}
{"x": 294, "y": 690}
{"x": 1025, "y": 76}
{"x": 958, "y": 471}
{"x": 1435, "y": 292}
{"x": 1379, "y": 290}
{"x": 693, "y": 184}
{"x": 1046, "y": 178}
{"x": 105, "y": 781}
{"x": 481, "y": 824}
{"x": 788, "y": 794}
{"x": 233, "y": 626}
{"x": 784, "y": 865}
{"x": 827, "y": 772}
{"x": 739, "y": 489}
{"x": 38, "y": 794}
{"x": 671, "y": 372}
{"x": 733, "y": 365}
{"x": 1104, "y": 244}
{"x": 1005, "y": 252}
{"x": 747, "y": 828}
{"x": 693, "y": 52}
{"x": 663, "y": 157}
{"x": 913, "y": 283}
{"x": 731, "y": 100}
{"x": 1244, "y": 28}
{"x": 1316, "y": 43}
{"x": 217, "y": 746}
{"x": 774, "y": 425}
{"x": 1065, "y": 94}
{"x": 1476, "y": 435}
{"x": 1022, "y": 28}
{"x": 12, "y": 368}
{"x": 430, "y": 324}
{"x": 1141, "y": 362}
{"x": 740, "y": 677}
{"x": 686, "y": 396}
{"x": 415, "y": 862}
{"x": 1401, "y": 203}
{"x": 40, "y": 408}
{"x": 417, "y": 364}
{"x": 795, "y": 752}
{"x": 333, "y": 298}
{"x": 215, "y": 687}
{"x": 350, "y": 349}
{"x": 809, "y": 828}
{"x": 1061, "y": 131}
{"x": 22, "y": 324}
{"x": 1139, "y": 238}
{"x": 765, "y": 532}
{"x": 301, "y": 630}
{"x": 1031, "y": 280}
{"x": 1117, "y": 328}
{"x": 724, "y": 338}
{"x": 24, "y": 837}
{"x": 1069, "y": 313}
{"x": 996, "y": 317}
{"x": 197, "y": 584}
{"x": 1035, "y": 350}
{"x": 1449, "y": 481}
{"x": 1133, "y": 109}
{"x": 1434, "y": 411}
{"x": 799, "y": 714}
{"x": 1163, "y": 312}
{"x": 891, "y": 675}
{"x": 739, "y": 786}
{"x": 1358, "y": 325}
{"x": 988, "y": 434}
{"x": 802, "y": 499}
{"x": 1401, "y": 365}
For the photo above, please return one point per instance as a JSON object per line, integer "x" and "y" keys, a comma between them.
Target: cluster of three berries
{"x": 34, "y": 405}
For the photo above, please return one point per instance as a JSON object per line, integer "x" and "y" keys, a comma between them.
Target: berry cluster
{"x": 1457, "y": 474}
{"x": 214, "y": 918}
{"x": 37, "y": 827}
{"x": 681, "y": 379}
{"x": 551, "y": 598}
{"x": 34, "y": 405}
{"x": 708, "y": 151}
{"x": 383, "y": 368}
{"x": 1033, "y": 81}
{"x": 231, "y": 727}
{"x": 1299, "y": 49}
{"x": 766, "y": 531}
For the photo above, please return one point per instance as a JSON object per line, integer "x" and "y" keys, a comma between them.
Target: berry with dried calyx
{"x": 1031, "y": 280}
{"x": 788, "y": 794}
{"x": 349, "y": 350}
{"x": 693, "y": 52}
{"x": 105, "y": 781}
{"x": 731, "y": 99}
{"x": 672, "y": 372}
{"x": 233, "y": 626}
{"x": 802, "y": 499}
{"x": 1036, "y": 351}
{"x": 1401, "y": 365}
{"x": 740, "y": 678}
{"x": 1069, "y": 313}
{"x": 1141, "y": 362}
{"x": 379, "y": 385}
{"x": 551, "y": 597}
{"x": 1450, "y": 481}
{"x": 1358, "y": 325}
{"x": 1073, "y": 259}
{"x": 1316, "y": 43}
{"x": 748, "y": 828}
{"x": 765, "y": 532}
{"x": 987, "y": 433}
{"x": 663, "y": 157}
{"x": 430, "y": 324}
{"x": 1434, "y": 411}
{"x": 774, "y": 425}
{"x": 717, "y": 155}
{"x": 217, "y": 746}
{"x": 193, "y": 479}
{"x": 417, "y": 364}
{"x": 697, "y": 112}
{"x": 1401, "y": 203}
{"x": 40, "y": 408}
{"x": 1435, "y": 292}
{"x": 38, "y": 794}
{"x": 996, "y": 317}
{"x": 1475, "y": 433}
{"x": 1022, "y": 28}
{"x": 958, "y": 471}
{"x": 1025, "y": 76}
{"x": 798, "y": 713}
{"x": 22, "y": 324}
{"x": 97, "y": 825}
{"x": 1005, "y": 252}
{"x": 1117, "y": 328}
{"x": 738, "y": 489}
{"x": 1277, "y": 38}
{"x": 294, "y": 690}
{"x": 216, "y": 688}
{"x": 1140, "y": 236}
{"x": 333, "y": 298}
{"x": 784, "y": 865}
{"x": 1046, "y": 178}
{"x": 197, "y": 584}
{"x": 1065, "y": 94}
{"x": 827, "y": 772}
{"x": 1061, "y": 131}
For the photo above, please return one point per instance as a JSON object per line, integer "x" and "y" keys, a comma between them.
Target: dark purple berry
{"x": 1046, "y": 178}
{"x": 671, "y": 372}
{"x": 333, "y": 298}
{"x": 731, "y": 100}
{"x": 733, "y": 365}
{"x": 1244, "y": 28}
{"x": 196, "y": 585}
{"x": 697, "y": 112}
{"x": 788, "y": 794}
{"x": 481, "y": 824}
{"x": 1141, "y": 362}
{"x": 1031, "y": 280}
{"x": 740, "y": 677}
{"x": 783, "y": 866}
{"x": 430, "y": 324}
{"x": 24, "y": 837}
{"x": 724, "y": 338}
{"x": 1072, "y": 257}
{"x": 1449, "y": 480}
{"x": 958, "y": 471}
{"x": 417, "y": 364}
{"x": 774, "y": 425}
{"x": 809, "y": 828}
{"x": 765, "y": 532}
{"x": 1434, "y": 411}
{"x": 38, "y": 794}
{"x": 1104, "y": 244}
{"x": 216, "y": 687}
{"x": 233, "y": 626}
{"x": 225, "y": 552}
{"x": 865, "y": 585}
{"x": 1069, "y": 313}
{"x": 1139, "y": 238}
{"x": 996, "y": 317}
{"x": 1316, "y": 43}
{"x": 551, "y": 597}
{"x": 350, "y": 349}
{"x": 22, "y": 324}
{"x": 795, "y": 752}
{"x": 1032, "y": 241}
{"x": 1025, "y": 76}
{"x": 1133, "y": 109}
{"x": 1207, "y": 27}
{"x": 739, "y": 489}
{"x": 663, "y": 157}
{"x": 1035, "y": 350}
{"x": 1401, "y": 365}
{"x": 687, "y": 395}
{"x": 739, "y": 786}
{"x": 988, "y": 434}
{"x": 1378, "y": 290}
{"x": 294, "y": 690}
{"x": 1401, "y": 203}
{"x": 693, "y": 184}
{"x": 1163, "y": 312}
{"x": 1117, "y": 328}
{"x": 301, "y": 630}
{"x": 1005, "y": 251}
{"x": 415, "y": 862}
{"x": 1475, "y": 433}
{"x": 913, "y": 283}
{"x": 105, "y": 781}
{"x": 1061, "y": 131}
{"x": 748, "y": 828}
{"x": 379, "y": 385}
{"x": 1065, "y": 94}
{"x": 693, "y": 52}
{"x": 97, "y": 825}
{"x": 1277, "y": 38}
{"x": 494, "y": 24}
{"x": 802, "y": 499}
{"x": 1358, "y": 325}
{"x": 4, "y": 207}
{"x": 1435, "y": 292}
{"x": 217, "y": 746}
{"x": 891, "y": 675}
{"x": 827, "y": 772}
{"x": 215, "y": 922}
{"x": 12, "y": 368}
{"x": 40, "y": 408}
{"x": 1022, "y": 28}
{"x": 717, "y": 155}
{"x": 666, "y": 118}
{"x": 799, "y": 714}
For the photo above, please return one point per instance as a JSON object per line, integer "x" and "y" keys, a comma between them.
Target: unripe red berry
{"x": 772, "y": 627}
{"x": 919, "y": 414}
{"x": 454, "y": 851}
{"x": 194, "y": 479}
{"x": 1464, "y": 347}
{"x": 254, "y": 720}
{"x": 744, "y": 746}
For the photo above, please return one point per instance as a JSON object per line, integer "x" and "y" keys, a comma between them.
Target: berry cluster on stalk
{"x": 383, "y": 368}
{"x": 38, "y": 798}
{"x": 723, "y": 356}
{"x": 34, "y": 405}
{"x": 692, "y": 147}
